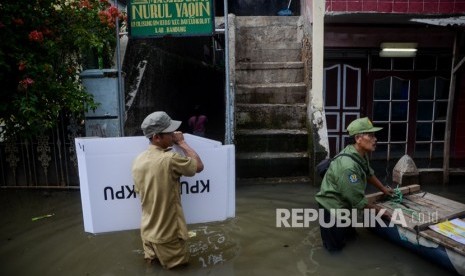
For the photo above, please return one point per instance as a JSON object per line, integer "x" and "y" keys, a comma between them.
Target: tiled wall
{"x": 397, "y": 6}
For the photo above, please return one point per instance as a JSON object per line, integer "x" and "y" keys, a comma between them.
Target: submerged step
{"x": 271, "y": 141}
{"x": 270, "y": 155}
{"x": 271, "y": 164}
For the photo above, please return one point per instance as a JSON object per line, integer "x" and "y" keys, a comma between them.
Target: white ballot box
{"x": 109, "y": 202}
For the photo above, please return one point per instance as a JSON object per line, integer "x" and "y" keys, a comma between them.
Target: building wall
{"x": 397, "y": 6}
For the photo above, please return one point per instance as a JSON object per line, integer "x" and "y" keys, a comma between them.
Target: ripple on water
{"x": 212, "y": 244}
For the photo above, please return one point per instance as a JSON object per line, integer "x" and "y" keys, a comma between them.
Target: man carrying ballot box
{"x": 156, "y": 173}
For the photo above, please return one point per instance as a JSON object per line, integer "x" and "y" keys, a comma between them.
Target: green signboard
{"x": 152, "y": 18}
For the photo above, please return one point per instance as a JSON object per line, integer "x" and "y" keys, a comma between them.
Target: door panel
{"x": 342, "y": 98}
{"x": 351, "y": 87}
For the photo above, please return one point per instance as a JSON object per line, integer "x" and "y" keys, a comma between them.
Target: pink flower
{"x": 26, "y": 83}
{"x": 103, "y": 16}
{"x": 109, "y": 16}
{"x": 85, "y": 4}
{"x": 36, "y": 36}
{"x": 114, "y": 12}
{"x": 106, "y": 18}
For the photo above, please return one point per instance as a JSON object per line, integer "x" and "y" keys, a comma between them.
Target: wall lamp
{"x": 398, "y": 49}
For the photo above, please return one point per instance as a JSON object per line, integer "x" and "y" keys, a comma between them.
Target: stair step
{"x": 268, "y": 55}
{"x": 270, "y": 155}
{"x": 267, "y": 34}
{"x": 285, "y": 87}
{"x": 273, "y": 72}
{"x": 271, "y": 116}
{"x": 273, "y": 140}
{"x": 259, "y": 164}
{"x": 269, "y": 65}
{"x": 267, "y": 21}
{"x": 272, "y": 180}
{"x": 271, "y": 51}
{"x": 284, "y": 93}
{"x": 276, "y": 45}
{"x": 271, "y": 131}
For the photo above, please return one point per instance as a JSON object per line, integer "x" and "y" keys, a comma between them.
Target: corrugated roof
{"x": 449, "y": 21}
{"x": 395, "y": 18}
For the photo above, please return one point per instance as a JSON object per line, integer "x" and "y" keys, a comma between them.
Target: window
{"x": 433, "y": 94}
{"x": 390, "y": 110}
{"x": 409, "y": 98}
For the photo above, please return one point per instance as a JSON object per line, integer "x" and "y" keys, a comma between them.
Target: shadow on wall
{"x": 174, "y": 75}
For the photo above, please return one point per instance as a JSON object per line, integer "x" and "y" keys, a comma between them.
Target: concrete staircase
{"x": 271, "y": 132}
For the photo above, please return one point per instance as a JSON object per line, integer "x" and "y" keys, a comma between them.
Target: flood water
{"x": 249, "y": 244}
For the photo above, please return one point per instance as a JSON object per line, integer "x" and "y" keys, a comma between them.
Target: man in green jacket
{"x": 343, "y": 186}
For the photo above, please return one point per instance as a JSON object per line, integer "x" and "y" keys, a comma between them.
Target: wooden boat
{"x": 423, "y": 211}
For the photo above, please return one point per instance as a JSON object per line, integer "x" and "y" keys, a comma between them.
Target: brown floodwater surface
{"x": 249, "y": 244}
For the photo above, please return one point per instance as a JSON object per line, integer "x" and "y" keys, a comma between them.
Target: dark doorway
{"x": 175, "y": 75}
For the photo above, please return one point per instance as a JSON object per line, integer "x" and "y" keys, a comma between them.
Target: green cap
{"x": 361, "y": 125}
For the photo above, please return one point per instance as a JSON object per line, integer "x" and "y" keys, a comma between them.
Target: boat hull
{"x": 429, "y": 249}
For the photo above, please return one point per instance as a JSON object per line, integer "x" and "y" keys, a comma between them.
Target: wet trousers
{"x": 169, "y": 254}
{"x": 334, "y": 238}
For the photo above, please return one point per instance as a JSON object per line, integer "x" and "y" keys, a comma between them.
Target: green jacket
{"x": 344, "y": 183}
